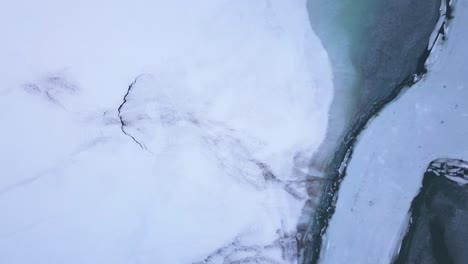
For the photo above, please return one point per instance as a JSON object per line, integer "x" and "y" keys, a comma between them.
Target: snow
{"x": 226, "y": 96}
{"x": 428, "y": 121}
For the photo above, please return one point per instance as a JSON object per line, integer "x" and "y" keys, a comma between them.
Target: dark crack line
{"x": 122, "y": 122}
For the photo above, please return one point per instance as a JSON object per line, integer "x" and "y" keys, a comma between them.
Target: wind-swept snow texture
{"x": 429, "y": 121}
{"x": 157, "y": 131}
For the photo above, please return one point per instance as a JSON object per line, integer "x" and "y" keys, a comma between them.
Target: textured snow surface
{"x": 429, "y": 121}
{"x": 157, "y": 131}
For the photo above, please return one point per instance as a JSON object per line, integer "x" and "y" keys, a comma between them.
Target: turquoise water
{"x": 341, "y": 26}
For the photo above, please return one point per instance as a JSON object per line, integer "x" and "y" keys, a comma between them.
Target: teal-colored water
{"x": 342, "y": 26}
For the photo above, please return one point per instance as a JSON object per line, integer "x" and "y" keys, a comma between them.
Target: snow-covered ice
{"x": 157, "y": 131}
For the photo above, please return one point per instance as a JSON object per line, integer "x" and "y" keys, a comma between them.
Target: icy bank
{"x": 427, "y": 122}
{"x": 393, "y": 54}
{"x": 152, "y": 133}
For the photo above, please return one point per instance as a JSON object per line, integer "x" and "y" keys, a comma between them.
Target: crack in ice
{"x": 122, "y": 122}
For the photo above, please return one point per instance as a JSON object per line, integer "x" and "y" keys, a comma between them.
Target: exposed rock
{"x": 437, "y": 230}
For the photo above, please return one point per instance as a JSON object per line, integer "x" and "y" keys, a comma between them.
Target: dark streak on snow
{"x": 19, "y": 184}
{"x": 237, "y": 253}
{"x": 290, "y": 186}
{"x": 122, "y": 121}
{"x": 313, "y": 238}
